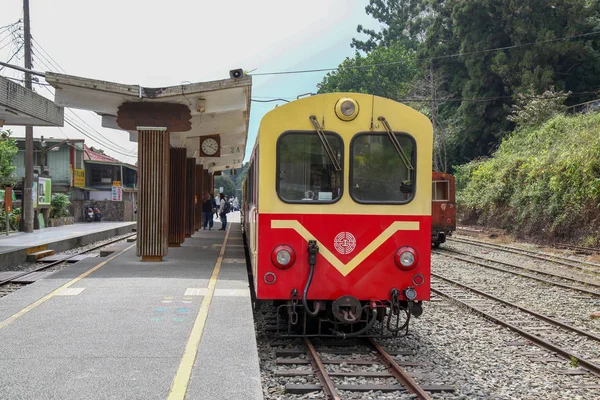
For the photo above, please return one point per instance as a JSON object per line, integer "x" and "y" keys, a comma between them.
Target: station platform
{"x": 119, "y": 328}
{"x": 15, "y": 247}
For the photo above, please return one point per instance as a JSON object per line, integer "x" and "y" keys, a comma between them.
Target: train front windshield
{"x": 378, "y": 173}
{"x": 306, "y": 174}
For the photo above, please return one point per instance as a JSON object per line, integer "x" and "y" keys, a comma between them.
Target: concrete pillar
{"x": 153, "y": 210}
{"x": 177, "y": 180}
{"x": 200, "y": 192}
{"x": 190, "y": 197}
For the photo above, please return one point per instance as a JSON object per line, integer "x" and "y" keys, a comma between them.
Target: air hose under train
{"x": 313, "y": 249}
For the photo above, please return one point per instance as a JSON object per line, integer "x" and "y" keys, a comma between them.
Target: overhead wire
{"x": 55, "y": 65}
{"x": 116, "y": 149}
{"x": 462, "y": 54}
{"x": 13, "y": 56}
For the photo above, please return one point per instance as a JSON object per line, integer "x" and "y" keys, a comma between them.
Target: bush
{"x": 542, "y": 181}
{"x": 59, "y": 207}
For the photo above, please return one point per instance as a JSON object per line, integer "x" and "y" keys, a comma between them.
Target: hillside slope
{"x": 542, "y": 182}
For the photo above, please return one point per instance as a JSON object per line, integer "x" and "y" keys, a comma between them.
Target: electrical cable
{"x": 13, "y": 56}
{"x": 108, "y": 146}
{"x": 88, "y": 135}
{"x": 268, "y": 101}
{"x": 428, "y": 58}
{"x": 84, "y": 122}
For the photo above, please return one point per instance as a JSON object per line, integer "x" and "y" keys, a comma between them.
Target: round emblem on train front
{"x": 344, "y": 242}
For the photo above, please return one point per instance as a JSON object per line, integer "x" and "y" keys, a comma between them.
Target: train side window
{"x": 377, "y": 173}
{"x": 305, "y": 172}
{"x": 440, "y": 191}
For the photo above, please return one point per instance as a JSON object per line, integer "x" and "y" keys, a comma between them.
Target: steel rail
{"x": 593, "y": 368}
{"x": 526, "y": 310}
{"x": 531, "y": 253}
{"x": 581, "y": 248}
{"x": 398, "y": 372}
{"x": 46, "y": 266}
{"x": 326, "y": 382}
{"x": 597, "y": 294}
{"x": 526, "y": 268}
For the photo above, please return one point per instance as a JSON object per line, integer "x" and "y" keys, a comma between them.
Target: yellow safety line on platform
{"x": 30, "y": 307}
{"x": 184, "y": 372}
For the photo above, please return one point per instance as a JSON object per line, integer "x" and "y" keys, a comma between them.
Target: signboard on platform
{"x": 117, "y": 191}
{"x": 34, "y": 194}
{"x": 7, "y": 196}
{"x": 45, "y": 191}
{"x": 79, "y": 178}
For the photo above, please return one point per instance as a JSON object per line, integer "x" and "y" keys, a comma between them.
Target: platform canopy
{"x": 217, "y": 108}
{"x": 20, "y": 106}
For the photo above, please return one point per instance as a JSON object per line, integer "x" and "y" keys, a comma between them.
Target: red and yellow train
{"x": 337, "y": 214}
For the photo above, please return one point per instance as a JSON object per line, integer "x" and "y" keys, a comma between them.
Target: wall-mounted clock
{"x": 210, "y": 146}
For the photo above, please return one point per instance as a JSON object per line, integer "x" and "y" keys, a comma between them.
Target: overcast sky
{"x": 156, "y": 43}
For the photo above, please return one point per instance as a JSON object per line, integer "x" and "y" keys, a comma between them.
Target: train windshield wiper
{"x": 396, "y": 144}
{"x": 328, "y": 149}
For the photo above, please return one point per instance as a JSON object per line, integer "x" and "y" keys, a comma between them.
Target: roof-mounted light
{"x": 346, "y": 109}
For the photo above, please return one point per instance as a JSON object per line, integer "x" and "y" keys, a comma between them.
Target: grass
{"x": 542, "y": 182}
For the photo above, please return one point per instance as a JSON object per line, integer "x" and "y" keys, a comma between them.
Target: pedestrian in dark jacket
{"x": 207, "y": 211}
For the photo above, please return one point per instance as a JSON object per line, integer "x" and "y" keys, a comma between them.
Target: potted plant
{"x": 59, "y": 210}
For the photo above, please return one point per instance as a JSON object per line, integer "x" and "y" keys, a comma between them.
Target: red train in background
{"x": 443, "y": 207}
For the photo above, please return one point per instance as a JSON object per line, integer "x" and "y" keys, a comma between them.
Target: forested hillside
{"x": 463, "y": 63}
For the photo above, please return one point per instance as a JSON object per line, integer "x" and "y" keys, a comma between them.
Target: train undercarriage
{"x": 346, "y": 317}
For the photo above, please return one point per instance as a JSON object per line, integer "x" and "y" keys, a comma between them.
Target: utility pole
{"x": 27, "y": 190}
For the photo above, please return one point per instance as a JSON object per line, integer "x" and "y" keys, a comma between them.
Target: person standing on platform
{"x": 217, "y": 206}
{"x": 222, "y": 212}
{"x": 207, "y": 211}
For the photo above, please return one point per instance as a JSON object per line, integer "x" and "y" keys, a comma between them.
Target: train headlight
{"x": 283, "y": 257}
{"x": 410, "y": 293}
{"x": 406, "y": 258}
{"x": 346, "y": 109}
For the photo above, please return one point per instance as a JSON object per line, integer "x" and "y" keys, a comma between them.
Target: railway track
{"x": 585, "y": 250}
{"x": 580, "y": 265}
{"x": 583, "y": 286}
{"x": 22, "y": 278}
{"x": 577, "y": 346}
{"x": 371, "y": 362}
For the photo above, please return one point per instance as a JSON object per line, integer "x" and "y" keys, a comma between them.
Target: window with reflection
{"x": 440, "y": 191}
{"x": 378, "y": 173}
{"x": 306, "y": 174}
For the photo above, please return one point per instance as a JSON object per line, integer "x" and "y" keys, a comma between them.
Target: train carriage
{"x": 337, "y": 212}
{"x": 443, "y": 207}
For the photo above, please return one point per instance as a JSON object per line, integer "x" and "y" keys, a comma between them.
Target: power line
{"x": 13, "y": 56}
{"x": 81, "y": 119}
{"x": 23, "y": 80}
{"x": 89, "y": 136}
{"x": 268, "y": 101}
{"x": 53, "y": 63}
{"x": 10, "y": 25}
{"x": 466, "y": 100}
{"x": 470, "y": 53}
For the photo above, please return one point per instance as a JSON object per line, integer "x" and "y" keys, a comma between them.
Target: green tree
{"x": 469, "y": 26}
{"x": 226, "y": 183}
{"x": 532, "y": 110}
{"x": 403, "y": 21}
{"x": 365, "y": 74}
{"x": 8, "y": 152}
